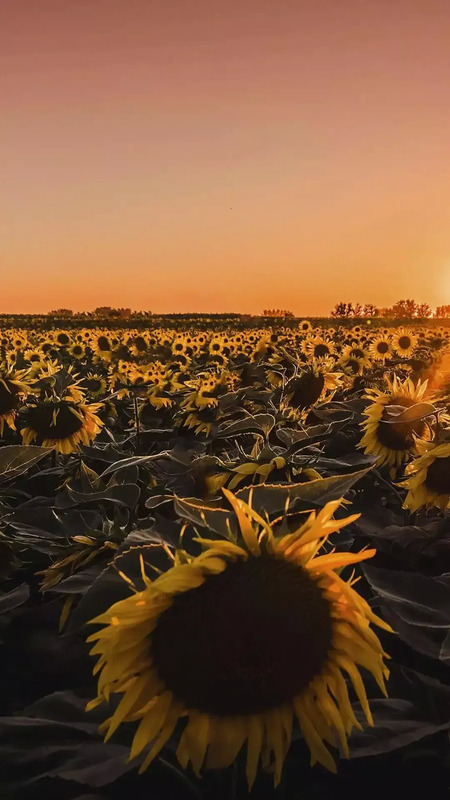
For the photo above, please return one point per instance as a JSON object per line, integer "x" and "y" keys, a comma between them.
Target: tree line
{"x": 402, "y": 309}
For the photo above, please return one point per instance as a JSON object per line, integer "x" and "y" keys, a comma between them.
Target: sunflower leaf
{"x": 15, "y": 459}
{"x": 273, "y": 498}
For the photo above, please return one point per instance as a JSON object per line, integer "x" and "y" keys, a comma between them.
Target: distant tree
{"x": 102, "y": 311}
{"x": 357, "y": 310}
{"x": 404, "y": 309}
{"x": 370, "y": 310}
{"x": 277, "y": 312}
{"x": 423, "y": 310}
{"x": 61, "y": 312}
{"x": 342, "y": 310}
{"x": 112, "y": 313}
{"x": 442, "y": 312}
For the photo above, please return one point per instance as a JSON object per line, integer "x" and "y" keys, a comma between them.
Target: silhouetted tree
{"x": 61, "y": 312}
{"x": 442, "y": 312}
{"x": 423, "y": 310}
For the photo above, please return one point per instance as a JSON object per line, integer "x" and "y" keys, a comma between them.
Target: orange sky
{"x": 224, "y": 155}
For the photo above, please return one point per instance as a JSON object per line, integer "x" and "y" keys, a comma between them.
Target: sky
{"x": 223, "y": 155}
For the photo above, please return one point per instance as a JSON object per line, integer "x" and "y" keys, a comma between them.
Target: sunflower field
{"x": 225, "y": 562}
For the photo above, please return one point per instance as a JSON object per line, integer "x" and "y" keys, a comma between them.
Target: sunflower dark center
{"x": 356, "y": 352}
{"x": 247, "y": 640}
{"x": 103, "y": 343}
{"x": 305, "y": 390}
{"x": 92, "y": 384}
{"x": 353, "y": 365}
{"x": 321, "y": 350}
{"x": 382, "y": 347}
{"x": 404, "y": 342}
{"x": 9, "y": 399}
{"x": 399, "y": 435}
{"x": 48, "y": 425}
{"x": 438, "y": 476}
{"x": 63, "y": 338}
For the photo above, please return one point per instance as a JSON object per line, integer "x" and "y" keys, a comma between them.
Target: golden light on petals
{"x": 222, "y": 642}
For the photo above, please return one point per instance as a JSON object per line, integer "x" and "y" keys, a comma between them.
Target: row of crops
{"x": 225, "y": 561}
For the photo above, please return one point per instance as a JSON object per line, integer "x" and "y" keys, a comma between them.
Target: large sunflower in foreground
{"x": 62, "y": 424}
{"x": 393, "y": 442}
{"x": 429, "y": 484}
{"x": 238, "y": 642}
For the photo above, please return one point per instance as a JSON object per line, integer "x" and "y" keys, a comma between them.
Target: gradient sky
{"x": 224, "y": 155}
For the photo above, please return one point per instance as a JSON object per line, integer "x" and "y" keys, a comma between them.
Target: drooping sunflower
{"x": 308, "y": 385}
{"x": 356, "y": 351}
{"x": 13, "y": 390}
{"x": 62, "y": 424}
{"x": 351, "y": 365}
{"x": 94, "y": 384}
{"x": 138, "y": 345}
{"x": 238, "y": 642}
{"x": 429, "y": 484}
{"x": 103, "y": 347}
{"x": 393, "y": 442}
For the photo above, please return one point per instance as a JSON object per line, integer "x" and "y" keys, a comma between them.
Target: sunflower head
{"x": 428, "y": 481}
{"x": 404, "y": 342}
{"x": 393, "y": 442}
{"x": 13, "y": 389}
{"x": 380, "y": 348}
{"x": 60, "y": 423}
{"x": 239, "y": 643}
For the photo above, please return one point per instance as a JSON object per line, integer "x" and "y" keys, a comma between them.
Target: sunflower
{"x": 34, "y": 356}
{"x": 94, "y": 384}
{"x": 62, "y": 424}
{"x": 77, "y": 350}
{"x": 305, "y": 326}
{"x": 380, "y": 348}
{"x": 393, "y": 442}
{"x": 429, "y": 484}
{"x": 102, "y": 347}
{"x": 309, "y": 385}
{"x": 63, "y": 339}
{"x": 404, "y": 342}
{"x": 13, "y": 390}
{"x": 351, "y": 365}
{"x": 317, "y": 347}
{"x": 238, "y": 642}
{"x": 356, "y": 351}
{"x": 138, "y": 345}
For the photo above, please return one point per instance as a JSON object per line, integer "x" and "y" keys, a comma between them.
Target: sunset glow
{"x": 198, "y": 155}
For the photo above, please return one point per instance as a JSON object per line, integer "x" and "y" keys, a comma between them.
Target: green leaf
{"x": 272, "y": 498}
{"x": 126, "y": 494}
{"x": 411, "y": 414}
{"x": 260, "y": 423}
{"x": 15, "y": 459}
{"x": 206, "y": 515}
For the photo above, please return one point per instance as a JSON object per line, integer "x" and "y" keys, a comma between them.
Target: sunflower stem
{"x": 137, "y": 423}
